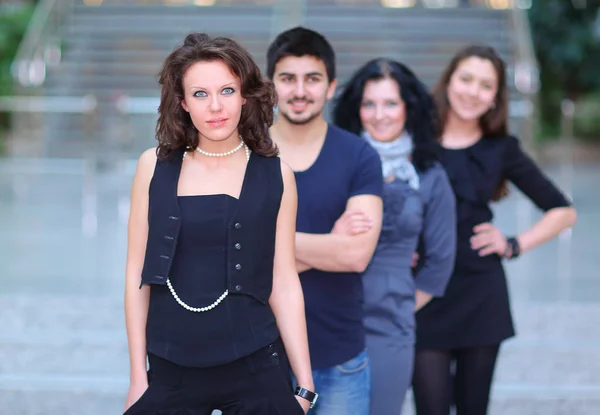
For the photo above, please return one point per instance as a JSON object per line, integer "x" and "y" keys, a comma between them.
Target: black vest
{"x": 251, "y": 233}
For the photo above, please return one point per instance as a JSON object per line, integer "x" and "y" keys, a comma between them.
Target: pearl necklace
{"x": 227, "y": 153}
{"x": 222, "y": 297}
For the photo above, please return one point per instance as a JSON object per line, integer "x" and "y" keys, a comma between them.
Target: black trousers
{"x": 258, "y": 384}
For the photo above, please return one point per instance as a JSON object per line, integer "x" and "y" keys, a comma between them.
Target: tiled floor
{"x": 62, "y": 339}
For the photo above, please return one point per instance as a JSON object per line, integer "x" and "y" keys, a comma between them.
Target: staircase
{"x": 117, "y": 49}
{"x": 120, "y": 48}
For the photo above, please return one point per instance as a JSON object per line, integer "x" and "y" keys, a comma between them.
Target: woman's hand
{"x": 415, "y": 260}
{"x": 304, "y": 403}
{"x": 488, "y": 240}
{"x": 352, "y": 222}
{"x": 136, "y": 390}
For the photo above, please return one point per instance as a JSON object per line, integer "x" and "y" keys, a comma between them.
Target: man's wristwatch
{"x": 308, "y": 395}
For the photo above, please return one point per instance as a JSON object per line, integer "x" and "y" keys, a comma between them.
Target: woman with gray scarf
{"x": 388, "y": 105}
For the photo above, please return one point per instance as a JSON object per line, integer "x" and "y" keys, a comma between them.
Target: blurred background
{"x": 78, "y": 100}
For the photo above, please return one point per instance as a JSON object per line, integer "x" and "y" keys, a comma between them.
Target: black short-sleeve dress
{"x": 475, "y": 309}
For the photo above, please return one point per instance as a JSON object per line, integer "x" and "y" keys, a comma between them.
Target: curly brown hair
{"x": 493, "y": 123}
{"x": 175, "y": 129}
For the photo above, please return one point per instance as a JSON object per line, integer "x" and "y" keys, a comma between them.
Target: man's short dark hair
{"x": 298, "y": 42}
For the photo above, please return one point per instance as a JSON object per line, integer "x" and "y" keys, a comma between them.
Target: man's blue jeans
{"x": 344, "y": 389}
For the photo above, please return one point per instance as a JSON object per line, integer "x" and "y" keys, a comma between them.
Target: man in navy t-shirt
{"x": 337, "y": 173}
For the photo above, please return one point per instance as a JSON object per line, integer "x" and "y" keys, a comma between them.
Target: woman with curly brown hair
{"x": 212, "y": 295}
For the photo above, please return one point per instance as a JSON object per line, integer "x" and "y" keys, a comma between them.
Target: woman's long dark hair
{"x": 175, "y": 129}
{"x": 421, "y": 116}
{"x": 493, "y": 123}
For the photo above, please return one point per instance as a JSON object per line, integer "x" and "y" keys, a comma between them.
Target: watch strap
{"x": 515, "y": 248}
{"x": 306, "y": 394}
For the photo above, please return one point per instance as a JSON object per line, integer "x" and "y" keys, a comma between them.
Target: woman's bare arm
{"x": 136, "y": 298}
{"x": 549, "y": 226}
{"x": 287, "y": 300}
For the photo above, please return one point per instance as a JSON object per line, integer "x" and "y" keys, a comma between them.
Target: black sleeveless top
{"x": 199, "y": 274}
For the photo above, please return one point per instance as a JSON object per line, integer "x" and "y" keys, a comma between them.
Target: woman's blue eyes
{"x": 225, "y": 91}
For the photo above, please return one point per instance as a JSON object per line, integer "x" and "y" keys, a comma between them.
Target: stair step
{"x": 332, "y": 11}
{"x": 128, "y": 82}
{"x": 88, "y": 68}
{"x": 122, "y": 49}
{"x": 379, "y": 28}
{"x": 427, "y": 41}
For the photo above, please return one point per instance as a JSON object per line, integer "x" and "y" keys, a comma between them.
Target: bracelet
{"x": 513, "y": 249}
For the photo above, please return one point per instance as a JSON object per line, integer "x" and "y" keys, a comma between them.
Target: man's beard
{"x": 303, "y": 121}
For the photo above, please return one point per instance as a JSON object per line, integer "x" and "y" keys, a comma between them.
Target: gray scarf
{"x": 395, "y": 158}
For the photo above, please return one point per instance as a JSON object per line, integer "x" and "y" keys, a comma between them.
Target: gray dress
{"x": 411, "y": 218}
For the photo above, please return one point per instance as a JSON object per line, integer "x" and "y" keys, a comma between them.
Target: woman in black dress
{"x": 470, "y": 322}
{"x": 211, "y": 282}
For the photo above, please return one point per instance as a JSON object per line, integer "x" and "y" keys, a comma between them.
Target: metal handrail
{"x": 526, "y": 71}
{"x": 29, "y": 65}
{"x": 54, "y": 104}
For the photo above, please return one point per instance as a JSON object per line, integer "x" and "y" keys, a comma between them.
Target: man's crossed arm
{"x": 340, "y": 251}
